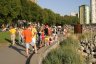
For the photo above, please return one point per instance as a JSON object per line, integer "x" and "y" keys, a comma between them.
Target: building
{"x": 73, "y": 14}
{"x": 84, "y": 14}
{"x": 93, "y": 11}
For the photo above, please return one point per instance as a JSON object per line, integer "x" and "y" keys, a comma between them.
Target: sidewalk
{"x": 13, "y": 55}
{"x": 16, "y": 54}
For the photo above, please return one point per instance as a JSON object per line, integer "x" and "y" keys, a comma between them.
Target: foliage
{"x": 9, "y": 9}
{"x": 66, "y": 54}
{"x": 13, "y": 10}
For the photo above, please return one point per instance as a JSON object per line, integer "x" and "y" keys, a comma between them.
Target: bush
{"x": 65, "y": 54}
{"x": 70, "y": 42}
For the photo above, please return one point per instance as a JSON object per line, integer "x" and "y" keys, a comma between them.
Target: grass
{"x": 66, "y": 54}
{"x": 4, "y": 37}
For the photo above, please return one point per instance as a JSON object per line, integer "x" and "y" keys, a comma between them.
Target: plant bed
{"x": 66, "y": 54}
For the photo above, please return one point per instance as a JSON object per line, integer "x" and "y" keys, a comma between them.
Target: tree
{"x": 12, "y": 10}
{"x": 51, "y": 16}
{"x": 9, "y": 9}
{"x": 36, "y": 12}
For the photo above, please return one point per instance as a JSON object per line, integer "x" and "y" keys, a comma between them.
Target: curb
{"x": 42, "y": 53}
{"x": 55, "y": 45}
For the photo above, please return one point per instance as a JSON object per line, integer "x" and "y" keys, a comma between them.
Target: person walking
{"x": 34, "y": 33}
{"x": 12, "y": 34}
{"x": 20, "y": 36}
{"x": 42, "y": 38}
{"x": 65, "y": 32}
{"x": 46, "y": 32}
{"x": 27, "y": 34}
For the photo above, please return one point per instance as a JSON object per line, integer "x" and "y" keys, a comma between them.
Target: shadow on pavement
{"x": 29, "y": 58}
{"x": 20, "y": 45}
{"x": 8, "y": 40}
{"x": 18, "y": 50}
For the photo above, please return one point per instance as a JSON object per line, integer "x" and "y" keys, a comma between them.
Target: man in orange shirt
{"x": 27, "y": 38}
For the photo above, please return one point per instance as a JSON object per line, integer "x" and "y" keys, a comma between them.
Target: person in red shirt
{"x": 42, "y": 38}
{"x": 27, "y": 34}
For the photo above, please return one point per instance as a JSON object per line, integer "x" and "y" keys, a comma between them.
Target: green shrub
{"x": 65, "y": 54}
{"x": 52, "y": 58}
{"x": 70, "y": 42}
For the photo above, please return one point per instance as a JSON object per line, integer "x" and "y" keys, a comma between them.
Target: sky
{"x": 63, "y": 7}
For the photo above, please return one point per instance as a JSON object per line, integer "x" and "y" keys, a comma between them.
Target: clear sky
{"x": 63, "y": 7}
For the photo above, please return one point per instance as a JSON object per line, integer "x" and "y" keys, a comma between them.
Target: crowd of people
{"x": 33, "y": 35}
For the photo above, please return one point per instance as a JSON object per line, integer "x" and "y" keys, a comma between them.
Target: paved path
{"x": 13, "y": 55}
{"x": 16, "y": 55}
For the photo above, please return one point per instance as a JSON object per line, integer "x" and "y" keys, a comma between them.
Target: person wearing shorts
{"x": 12, "y": 34}
{"x": 34, "y": 33}
{"x": 27, "y": 38}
